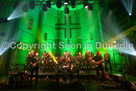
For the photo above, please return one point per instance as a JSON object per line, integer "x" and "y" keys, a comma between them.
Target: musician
{"x": 86, "y": 55}
{"x": 50, "y": 62}
{"x": 44, "y": 57}
{"x": 98, "y": 65}
{"x": 66, "y": 53}
{"x": 107, "y": 61}
{"x": 28, "y": 59}
{"x": 44, "y": 60}
{"x": 34, "y": 67}
{"x": 80, "y": 62}
{"x": 64, "y": 57}
{"x": 67, "y": 70}
{"x": 87, "y": 63}
{"x": 67, "y": 64}
{"x": 32, "y": 53}
{"x": 69, "y": 54}
{"x": 99, "y": 53}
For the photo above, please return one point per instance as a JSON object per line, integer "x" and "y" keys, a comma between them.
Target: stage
{"x": 83, "y": 84}
{"x": 71, "y": 45}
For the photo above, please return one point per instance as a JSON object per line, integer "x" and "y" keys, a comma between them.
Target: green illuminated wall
{"x": 86, "y": 28}
{"x": 25, "y": 35}
{"x": 91, "y": 31}
{"x": 7, "y": 29}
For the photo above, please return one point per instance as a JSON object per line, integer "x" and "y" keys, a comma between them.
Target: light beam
{"x": 128, "y": 4}
{"x": 17, "y": 13}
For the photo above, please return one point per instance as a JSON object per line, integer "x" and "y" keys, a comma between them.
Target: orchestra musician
{"x": 87, "y": 62}
{"x": 107, "y": 61}
{"x": 69, "y": 55}
{"x": 66, "y": 53}
{"x": 67, "y": 70}
{"x": 97, "y": 59}
{"x": 50, "y": 62}
{"x": 28, "y": 59}
{"x": 34, "y": 67}
{"x": 86, "y": 56}
{"x": 44, "y": 60}
{"x": 64, "y": 57}
{"x": 44, "y": 57}
{"x": 80, "y": 62}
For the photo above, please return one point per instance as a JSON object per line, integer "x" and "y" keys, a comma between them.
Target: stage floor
{"x": 84, "y": 84}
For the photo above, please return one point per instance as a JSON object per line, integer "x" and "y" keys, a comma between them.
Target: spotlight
{"x": 15, "y": 4}
{"x": 73, "y": 3}
{"x": 130, "y": 14}
{"x": 44, "y": 7}
{"x": 32, "y": 5}
{"x": 135, "y": 54}
{"x": 85, "y": 3}
{"x": 90, "y": 7}
{"x": 66, "y": 10}
{"x": 128, "y": 5}
{"x": 48, "y": 3}
{"x": 59, "y": 4}
{"x": 8, "y": 18}
{"x": 25, "y": 8}
{"x": 66, "y": 2}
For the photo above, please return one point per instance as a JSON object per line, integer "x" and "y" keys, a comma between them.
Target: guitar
{"x": 106, "y": 57}
{"x": 34, "y": 64}
{"x": 98, "y": 63}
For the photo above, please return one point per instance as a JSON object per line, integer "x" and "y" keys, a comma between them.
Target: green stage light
{"x": 85, "y": 3}
{"x": 73, "y": 3}
{"x": 32, "y": 5}
{"x": 66, "y": 2}
{"x": 48, "y": 3}
{"x": 59, "y": 4}
{"x": 25, "y": 8}
{"x": 44, "y": 7}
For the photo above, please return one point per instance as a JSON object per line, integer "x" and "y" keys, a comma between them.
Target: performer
{"x": 98, "y": 65}
{"x": 99, "y": 53}
{"x": 69, "y": 54}
{"x": 34, "y": 67}
{"x": 80, "y": 62}
{"x": 87, "y": 64}
{"x": 107, "y": 61}
{"x": 44, "y": 61}
{"x": 86, "y": 56}
{"x": 44, "y": 57}
{"x": 67, "y": 70}
{"x": 32, "y": 52}
{"x": 28, "y": 59}
{"x": 64, "y": 57}
{"x": 50, "y": 62}
{"x": 66, "y": 53}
